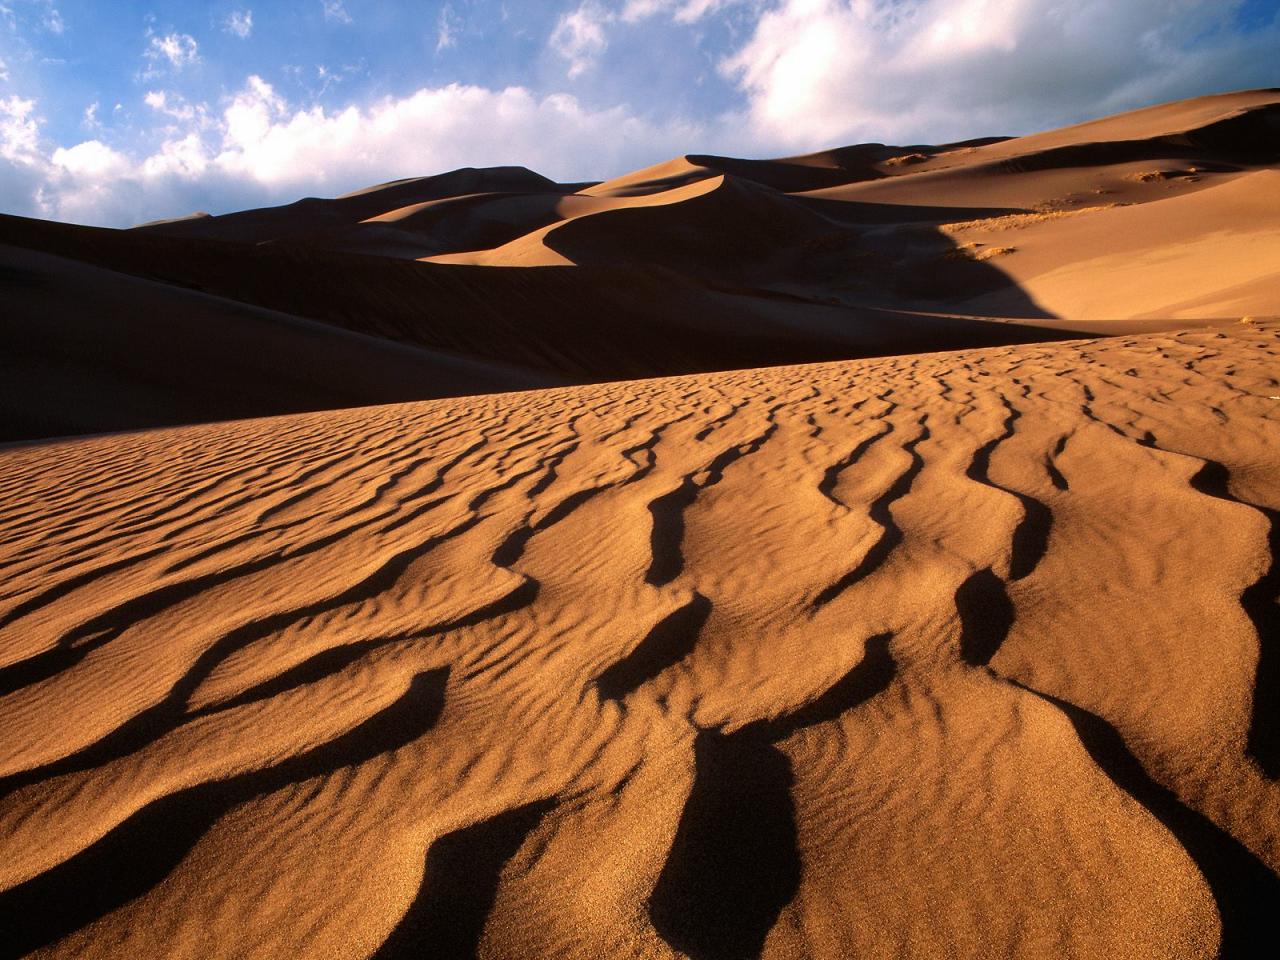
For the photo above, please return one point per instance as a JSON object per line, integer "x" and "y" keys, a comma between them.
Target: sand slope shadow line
{"x": 1051, "y": 463}
{"x": 870, "y": 677}
{"x": 667, "y": 534}
{"x": 666, "y": 644}
{"x": 512, "y": 548}
{"x": 143, "y": 849}
{"x": 986, "y": 616}
{"x": 733, "y": 866}
{"x": 1261, "y": 603}
{"x": 169, "y": 714}
{"x": 881, "y": 512}
{"x": 1030, "y": 538}
{"x": 73, "y": 583}
{"x": 102, "y": 628}
{"x": 459, "y": 887}
{"x": 1245, "y": 890}
{"x": 831, "y": 476}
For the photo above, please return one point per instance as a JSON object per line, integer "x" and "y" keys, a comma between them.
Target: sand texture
{"x": 962, "y": 654}
{"x": 869, "y": 554}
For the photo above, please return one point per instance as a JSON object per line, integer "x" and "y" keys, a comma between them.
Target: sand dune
{"x": 955, "y": 654}
{"x": 86, "y": 350}
{"x": 701, "y": 263}
{"x": 563, "y": 607}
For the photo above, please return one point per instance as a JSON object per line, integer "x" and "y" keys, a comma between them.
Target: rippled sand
{"x": 967, "y": 654}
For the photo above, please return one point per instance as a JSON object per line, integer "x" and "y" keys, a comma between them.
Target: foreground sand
{"x": 969, "y": 654}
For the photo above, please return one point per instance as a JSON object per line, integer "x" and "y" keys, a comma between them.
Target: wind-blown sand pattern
{"x": 959, "y": 654}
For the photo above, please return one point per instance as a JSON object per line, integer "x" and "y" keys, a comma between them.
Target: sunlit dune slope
{"x": 500, "y": 278}
{"x": 466, "y": 329}
{"x": 959, "y": 654}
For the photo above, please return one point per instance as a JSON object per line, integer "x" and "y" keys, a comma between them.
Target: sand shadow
{"x": 143, "y": 849}
{"x": 986, "y": 616}
{"x": 670, "y": 641}
{"x": 1261, "y": 603}
{"x": 734, "y": 865}
{"x": 1244, "y": 888}
{"x": 880, "y": 510}
{"x": 459, "y": 887}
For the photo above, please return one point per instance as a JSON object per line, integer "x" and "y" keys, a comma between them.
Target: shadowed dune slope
{"x": 312, "y": 214}
{"x": 499, "y": 278}
{"x": 959, "y": 654}
{"x": 471, "y": 329}
{"x": 86, "y": 350}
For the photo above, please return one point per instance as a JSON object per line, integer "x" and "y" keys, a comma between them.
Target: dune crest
{"x": 499, "y": 278}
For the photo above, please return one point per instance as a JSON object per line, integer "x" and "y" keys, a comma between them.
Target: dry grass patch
{"x": 1020, "y": 221}
{"x": 974, "y": 251}
{"x": 1157, "y": 176}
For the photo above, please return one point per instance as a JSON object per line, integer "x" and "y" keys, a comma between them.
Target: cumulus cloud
{"x": 240, "y": 23}
{"x": 818, "y": 72}
{"x": 172, "y": 105}
{"x": 21, "y": 163}
{"x": 177, "y": 50}
{"x": 806, "y": 73}
{"x": 19, "y": 129}
{"x": 261, "y": 149}
{"x": 91, "y": 160}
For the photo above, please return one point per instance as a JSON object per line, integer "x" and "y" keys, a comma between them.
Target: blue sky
{"x": 118, "y": 112}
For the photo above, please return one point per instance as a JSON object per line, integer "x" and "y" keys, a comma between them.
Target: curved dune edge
{"x": 969, "y": 653}
{"x": 533, "y": 250}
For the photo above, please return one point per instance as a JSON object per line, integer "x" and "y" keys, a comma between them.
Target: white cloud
{"x": 240, "y": 23}
{"x": 19, "y": 130}
{"x": 21, "y": 164}
{"x": 811, "y": 73}
{"x": 178, "y": 50}
{"x": 579, "y": 36}
{"x": 682, "y": 11}
{"x": 171, "y": 105}
{"x": 447, "y": 25}
{"x": 820, "y": 72}
{"x": 335, "y": 11}
{"x": 4, "y": 71}
{"x": 91, "y": 160}
{"x": 91, "y": 121}
{"x": 261, "y": 149}
{"x": 186, "y": 158}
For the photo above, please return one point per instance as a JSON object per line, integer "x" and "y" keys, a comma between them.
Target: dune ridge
{"x": 500, "y": 278}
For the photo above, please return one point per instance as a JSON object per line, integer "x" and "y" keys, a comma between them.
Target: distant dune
{"x": 964, "y": 642}
{"x": 1150, "y": 219}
